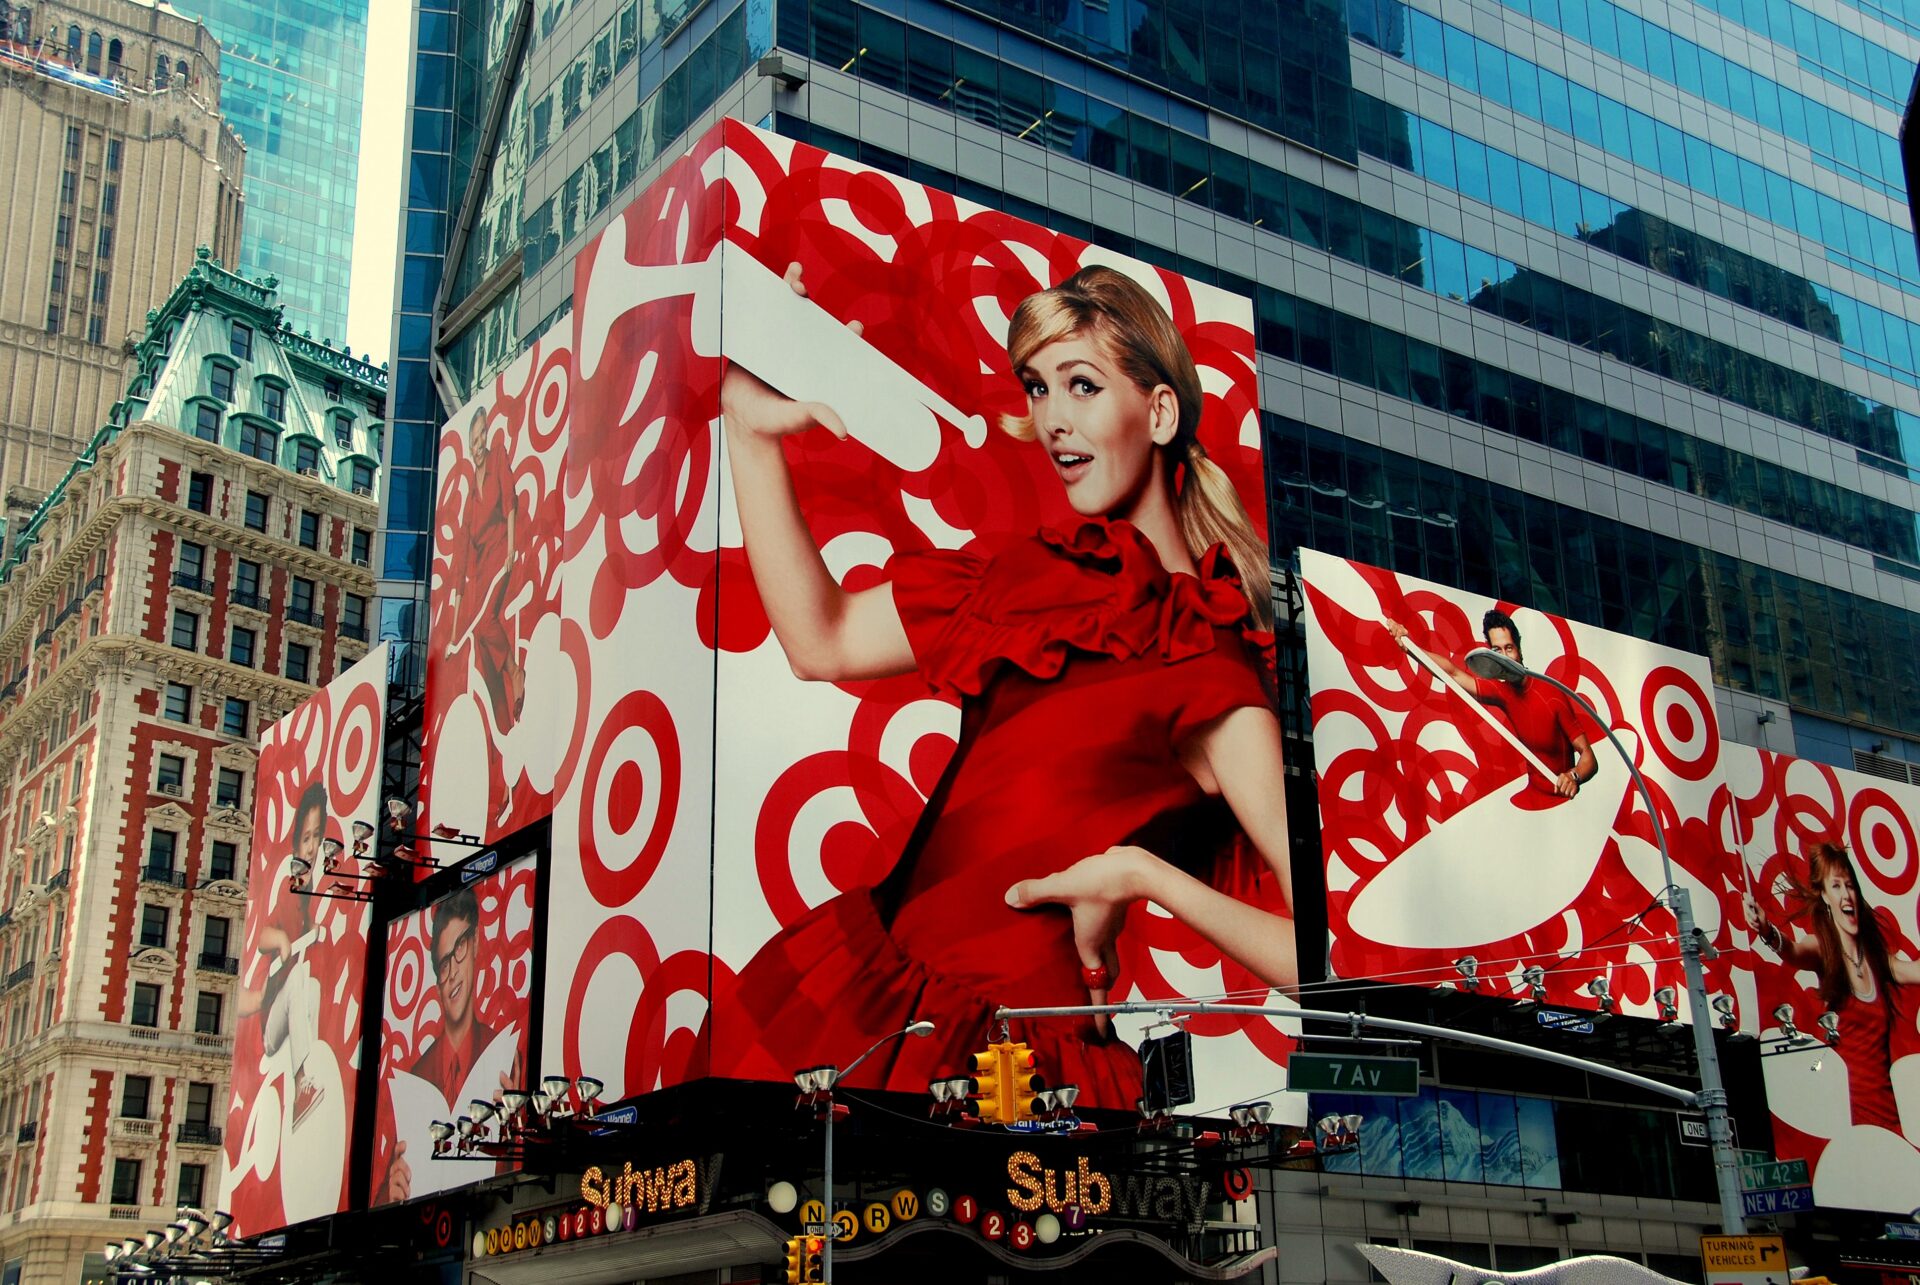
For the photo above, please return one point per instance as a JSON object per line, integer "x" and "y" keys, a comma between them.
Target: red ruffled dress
{"x": 1082, "y": 665}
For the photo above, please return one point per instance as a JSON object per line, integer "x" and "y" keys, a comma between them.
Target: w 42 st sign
{"x": 1397, "y": 1077}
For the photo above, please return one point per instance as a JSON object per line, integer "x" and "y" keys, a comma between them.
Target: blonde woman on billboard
{"x": 1116, "y": 733}
{"x": 1847, "y": 951}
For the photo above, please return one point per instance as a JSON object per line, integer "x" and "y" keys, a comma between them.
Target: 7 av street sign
{"x": 1397, "y": 1077}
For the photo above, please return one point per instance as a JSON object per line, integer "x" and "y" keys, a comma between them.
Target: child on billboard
{"x": 1116, "y": 731}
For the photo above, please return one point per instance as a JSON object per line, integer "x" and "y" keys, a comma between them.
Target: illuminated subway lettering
{"x": 674, "y": 1186}
{"x": 1035, "y": 1185}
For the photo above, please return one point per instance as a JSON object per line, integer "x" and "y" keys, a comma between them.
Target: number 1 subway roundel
{"x": 909, "y": 668}
{"x": 1469, "y": 817}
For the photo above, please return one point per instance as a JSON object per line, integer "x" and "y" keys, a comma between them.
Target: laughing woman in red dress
{"x": 1847, "y": 950}
{"x": 478, "y": 602}
{"x": 1116, "y": 735}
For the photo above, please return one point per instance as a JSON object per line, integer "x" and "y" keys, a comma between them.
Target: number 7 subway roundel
{"x": 911, "y": 633}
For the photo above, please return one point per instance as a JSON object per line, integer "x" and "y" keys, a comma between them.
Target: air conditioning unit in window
{"x": 307, "y": 470}
{"x": 173, "y": 788}
{"x": 362, "y": 489}
{"x": 362, "y": 560}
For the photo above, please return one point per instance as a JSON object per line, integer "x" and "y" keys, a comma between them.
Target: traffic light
{"x": 811, "y": 1268}
{"x": 1021, "y": 1078}
{"x": 796, "y": 1260}
{"x": 987, "y": 1086}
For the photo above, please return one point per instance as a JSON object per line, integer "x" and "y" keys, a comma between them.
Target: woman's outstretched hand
{"x": 1097, "y": 891}
{"x": 748, "y": 405}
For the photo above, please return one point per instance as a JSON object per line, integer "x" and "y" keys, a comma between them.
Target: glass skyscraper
{"x": 292, "y": 73}
{"x": 1610, "y": 310}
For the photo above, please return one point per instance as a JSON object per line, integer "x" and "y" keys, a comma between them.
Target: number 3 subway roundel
{"x": 1466, "y": 815}
{"x": 855, "y": 580}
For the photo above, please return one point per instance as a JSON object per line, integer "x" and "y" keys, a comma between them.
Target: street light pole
{"x": 831, "y": 1076}
{"x": 1712, "y": 1097}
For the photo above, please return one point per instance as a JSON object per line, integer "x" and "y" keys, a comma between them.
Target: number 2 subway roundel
{"x": 874, "y": 618}
{"x": 303, "y": 958}
{"x": 1478, "y": 829}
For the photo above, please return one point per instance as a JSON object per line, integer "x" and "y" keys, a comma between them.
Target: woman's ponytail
{"x": 1210, "y": 513}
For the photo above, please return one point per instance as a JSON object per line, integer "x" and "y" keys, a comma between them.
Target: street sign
{"x": 1774, "y": 1173}
{"x": 1693, "y": 1130}
{"x": 816, "y": 1229}
{"x": 1340, "y": 1073}
{"x": 1722, "y": 1255}
{"x": 1571, "y": 1023}
{"x": 1776, "y": 1200}
{"x": 1903, "y": 1231}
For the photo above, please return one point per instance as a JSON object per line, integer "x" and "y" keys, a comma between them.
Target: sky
{"x": 376, "y": 224}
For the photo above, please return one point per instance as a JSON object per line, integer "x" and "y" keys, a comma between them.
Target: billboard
{"x": 296, "y": 1046}
{"x": 1828, "y": 864}
{"x": 824, "y": 644}
{"x": 454, "y": 1024}
{"x": 1469, "y": 817}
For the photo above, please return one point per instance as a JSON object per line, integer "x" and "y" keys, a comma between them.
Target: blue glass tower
{"x": 292, "y": 73}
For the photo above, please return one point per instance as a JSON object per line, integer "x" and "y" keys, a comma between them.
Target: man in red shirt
{"x": 1539, "y": 714}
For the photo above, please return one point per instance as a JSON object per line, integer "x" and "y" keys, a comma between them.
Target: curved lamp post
{"x": 1712, "y": 1097}
{"x": 820, "y": 1080}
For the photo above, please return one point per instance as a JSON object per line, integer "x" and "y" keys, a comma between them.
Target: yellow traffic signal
{"x": 1022, "y": 1080}
{"x": 796, "y": 1260}
{"x": 987, "y": 1086}
{"x": 811, "y": 1268}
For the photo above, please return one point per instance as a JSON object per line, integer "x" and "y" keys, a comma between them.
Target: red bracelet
{"x": 1097, "y": 979}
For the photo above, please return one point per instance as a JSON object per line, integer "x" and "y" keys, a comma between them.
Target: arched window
{"x": 94, "y": 44}
{"x": 73, "y": 45}
{"x": 160, "y": 73}
{"x": 115, "y": 52}
{"x": 180, "y": 71}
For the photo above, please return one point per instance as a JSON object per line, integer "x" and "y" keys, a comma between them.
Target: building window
{"x": 235, "y": 716}
{"x": 126, "y": 1173}
{"x": 53, "y": 318}
{"x": 96, "y": 329}
{"x": 62, "y": 231}
{"x": 220, "y": 380}
{"x": 193, "y": 1185}
{"x": 116, "y": 51}
{"x": 362, "y": 546}
{"x": 229, "y": 786}
{"x": 135, "y": 1091}
{"x": 160, "y": 73}
{"x": 186, "y": 630}
{"x": 259, "y": 441}
{"x": 94, "y": 44}
{"x": 363, "y": 478}
{"x": 103, "y": 248}
{"x": 109, "y": 200}
{"x": 146, "y": 1004}
{"x": 246, "y": 583}
{"x": 73, "y": 131}
{"x": 256, "y": 511}
{"x": 299, "y": 662}
{"x": 69, "y": 184}
{"x": 309, "y": 529}
{"x": 59, "y": 283}
{"x": 206, "y": 422}
{"x": 273, "y": 402}
{"x": 215, "y": 939}
{"x": 193, "y": 562}
{"x": 306, "y": 457}
{"x": 113, "y": 156}
{"x": 100, "y": 284}
{"x": 343, "y": 430}
{"x": 301, "y": 604}
{"x": 162, "y": 847}
{"x": 200, "y": 492}
{"x": 171, "y": 777}
{"x": 153, "y": 925}
{"x": 206, "y": 1013}
{"x": 353, "y": 616}
{"x": 222, "y": 862}
{"x": 240, "y": 646}
{"x": 240, "y": 340}
{"x": 179, "y": 702}
{"x": 199, "y": 1103}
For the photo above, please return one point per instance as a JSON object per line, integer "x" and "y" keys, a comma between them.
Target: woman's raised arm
{"x": 827, "y": 633}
